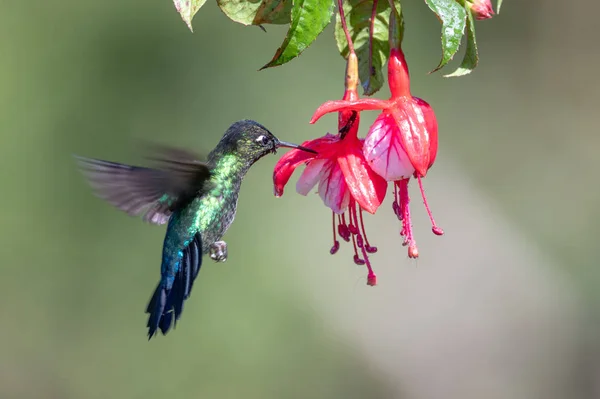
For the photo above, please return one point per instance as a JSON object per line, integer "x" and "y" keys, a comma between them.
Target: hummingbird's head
{"x": 252, "y": 141}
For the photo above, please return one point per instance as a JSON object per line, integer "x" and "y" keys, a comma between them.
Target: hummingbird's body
{"x": 198, "y": 199}
{"x": 211, "y": 213}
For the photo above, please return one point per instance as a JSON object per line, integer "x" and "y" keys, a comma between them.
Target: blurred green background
{"x": 505, "y": 305}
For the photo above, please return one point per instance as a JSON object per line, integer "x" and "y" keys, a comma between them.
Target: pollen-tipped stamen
{"x": 434, "y": 227}
{"x": 357, "y": 258}
{"x": 360, "y": 242}
{"x": 352, "y": 226}
{"x": 371, "y": 277}
{"x": 369, "y": 248}
{"x": 354, "y": 232}
{"x": 336, "y": 243}
{"x": 343, "y": 230}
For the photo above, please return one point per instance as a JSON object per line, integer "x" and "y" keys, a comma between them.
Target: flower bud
{"x": 481, "y": 9}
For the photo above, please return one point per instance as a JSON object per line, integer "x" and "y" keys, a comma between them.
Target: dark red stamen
{"x": 343, "y": 230}
{"x": 370, "y": 249}
{"x": 352, "y": 218}
{"x": 435, "y": 228}
{"x": 355, "y": 230}
{"x": 336, "y": 243}
{"x": 371, "y": 277}
{"x": 357, "y": 258}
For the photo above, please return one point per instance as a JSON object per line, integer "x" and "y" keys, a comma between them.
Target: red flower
{"x": 346, "y": 182}
{"x": 401, "y": 143}
{"x": 481, "y": 9}
{"x": 405, "y": 131}
{"x": 340, "y": 169}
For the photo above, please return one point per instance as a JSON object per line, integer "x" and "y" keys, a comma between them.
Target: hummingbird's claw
{"x": 218, "y": 251}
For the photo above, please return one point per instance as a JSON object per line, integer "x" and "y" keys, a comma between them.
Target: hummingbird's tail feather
{"x": 156, "y": 308}
{"x": 166, "y": 304}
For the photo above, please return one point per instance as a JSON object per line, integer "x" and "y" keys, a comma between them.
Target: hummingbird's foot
{"x": 218, "y": 251}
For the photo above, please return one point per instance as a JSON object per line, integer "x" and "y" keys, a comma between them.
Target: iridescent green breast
{"x": 213, "y": 213}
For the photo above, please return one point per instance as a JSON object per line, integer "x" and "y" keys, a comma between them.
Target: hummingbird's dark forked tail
{"x": 170, "y": 294}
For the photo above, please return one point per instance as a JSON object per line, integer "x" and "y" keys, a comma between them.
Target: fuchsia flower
{"x": 346, "y": 183}
{"x": 481, "y": 9}
{"x": 401, "y": 143}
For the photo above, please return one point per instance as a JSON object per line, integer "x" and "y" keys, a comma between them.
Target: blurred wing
{"x": 186, "y": 176}
{"x": 164, "y": 153}
{"x": 152, "y": 192}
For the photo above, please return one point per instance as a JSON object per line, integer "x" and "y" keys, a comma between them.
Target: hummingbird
{"x": 197, "y": 200}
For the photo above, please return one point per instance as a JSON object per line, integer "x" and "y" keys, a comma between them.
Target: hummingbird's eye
{"x": 263, "y": 140}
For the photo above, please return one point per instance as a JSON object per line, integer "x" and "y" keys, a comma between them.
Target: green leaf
{"x": 187, "y": 9}
{"x": 309, "y": 18}
{"x": 358, "y": 17}
{"x": 471, "y": 57}
{"x": 498, "y": 5}
{"x": 257, "y": 12}
{"x": 453, "y": 18}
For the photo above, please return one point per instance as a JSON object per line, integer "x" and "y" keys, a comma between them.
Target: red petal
{"x": 414, "y": 134}
{"x": 398, "y": 78}
{"x": 284, "y": 168}
{"x": 432, "y": 128}
{"x": 350, "y": 95}
{"x": 366, "y": 186}
{"x": 344, "y": 117}
{"x": 341, "y": 105}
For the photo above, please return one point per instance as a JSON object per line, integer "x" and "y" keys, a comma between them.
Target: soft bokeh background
{"x": 505, "y": 305}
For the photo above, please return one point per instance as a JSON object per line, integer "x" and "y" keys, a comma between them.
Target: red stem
{"x": 371, "y": 30}
{"x": 345, "y": 27}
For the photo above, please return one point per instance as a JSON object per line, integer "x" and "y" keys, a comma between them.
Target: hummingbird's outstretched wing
{"x": 152, "y": 192}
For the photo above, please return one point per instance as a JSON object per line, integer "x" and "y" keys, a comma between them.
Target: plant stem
{"x": 345, "y": 27}
{"x": 371, "y": 30}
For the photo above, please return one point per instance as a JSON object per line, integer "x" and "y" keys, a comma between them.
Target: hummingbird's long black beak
{"x": 291, "y": 145}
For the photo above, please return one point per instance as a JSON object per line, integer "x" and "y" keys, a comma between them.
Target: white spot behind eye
{"x": 262, "y": 139}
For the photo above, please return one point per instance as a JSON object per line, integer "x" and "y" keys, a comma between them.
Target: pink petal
{"x": 341, "y": 105}
{"x": 366, "y": 186}
{"x": 383, "y": 150}
{"x": 333, "y": 189}
{"x": 311, "y": 176}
